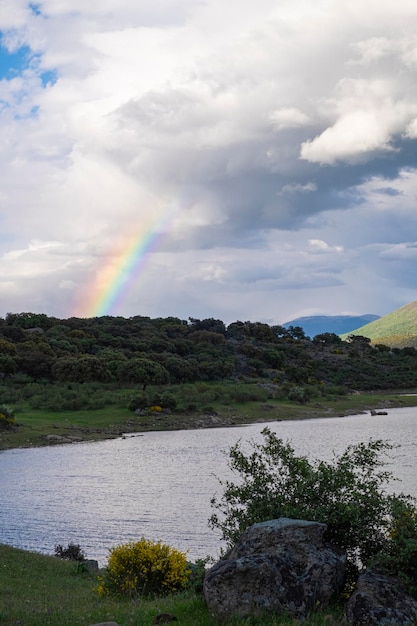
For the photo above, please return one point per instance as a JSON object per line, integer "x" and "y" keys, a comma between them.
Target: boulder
{"x": 58, "y": 439}
{"x": 89, "y": 566}
{"x": 379, "y": 600}
{"x": 281, "y": 565}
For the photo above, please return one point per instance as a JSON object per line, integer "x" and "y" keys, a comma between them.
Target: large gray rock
{"x": 379, "y": 600}
{"x": 278, "y": 565}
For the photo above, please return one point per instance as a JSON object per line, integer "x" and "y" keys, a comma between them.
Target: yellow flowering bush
{"x": 7, "y": 419}
{"x": 144, "y": 568}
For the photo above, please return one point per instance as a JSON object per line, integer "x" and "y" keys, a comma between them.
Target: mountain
{"x": 338, "y": 324}
{"x": 397, "y": 329}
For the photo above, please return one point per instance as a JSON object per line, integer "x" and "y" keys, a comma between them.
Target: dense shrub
{"x": 298, "y": 394}
{"x": 347, "y": 494}
{"x": 72, "y": 552}
{"x": 144, "y": 568}
{"x": 69, "y": 397}
{"x": 400, "y": 557}
{"x": 138, "y": 401}
{"x": 7, "y": 419}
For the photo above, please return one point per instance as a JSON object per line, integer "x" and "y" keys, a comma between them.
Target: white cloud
{"x": 216, "y": 123}
{"x": 368, "y": 118}
{"x": 306, "y": 188}
{"x": 288, "y": 118}
{"x": 403, "y": 251}
{"x": 318, "y": 245}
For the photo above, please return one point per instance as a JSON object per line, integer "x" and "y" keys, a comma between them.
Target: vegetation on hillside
{"x": 397, "y": 329}
{"x": 141, "y": 351}
{"x": 100, "y": 377}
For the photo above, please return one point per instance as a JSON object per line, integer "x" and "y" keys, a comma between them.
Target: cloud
{"x": 297, "y": 188}
{"x": 368, "y": 120}
{"x": 288, "y": 118}
{"x": 400, "y": 252}
{"x": 274, "y": 146}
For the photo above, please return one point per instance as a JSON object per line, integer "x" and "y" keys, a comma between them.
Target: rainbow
{"x": 124, "y": 264}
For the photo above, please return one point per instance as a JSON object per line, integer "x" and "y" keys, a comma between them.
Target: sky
{"x": 200, "y": 158}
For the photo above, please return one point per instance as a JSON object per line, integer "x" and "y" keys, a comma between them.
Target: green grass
{"x": 39, "y": 590}
{"x": 111, "y": 421}
{"x": 397, "y": 329}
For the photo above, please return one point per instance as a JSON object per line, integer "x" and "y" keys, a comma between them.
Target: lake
{"x": 159, "y": 484}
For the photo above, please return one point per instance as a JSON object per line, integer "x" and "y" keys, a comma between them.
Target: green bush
{"x": 197, "y": 573}
{"x": 72, "y": 552}
{"x": 144, "y": 568}
{"x": 298, "y": 394}
{"x": 7, "y": 419}
{"x": 138, "y": 401}
{"x": 400, "y": 557}
{"x": 347, "y": 494}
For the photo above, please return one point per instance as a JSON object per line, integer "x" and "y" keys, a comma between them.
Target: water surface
{"x": 159, "y": 484}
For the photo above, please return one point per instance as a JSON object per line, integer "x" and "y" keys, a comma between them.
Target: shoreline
{"x": 29, "y": 434}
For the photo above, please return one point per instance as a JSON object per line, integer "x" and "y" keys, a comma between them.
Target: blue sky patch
{"x": 13, "y": 63}
{"x": 33, "y": 113}
{"x": 49, "y": 78}
{"x": 35, "y": 8}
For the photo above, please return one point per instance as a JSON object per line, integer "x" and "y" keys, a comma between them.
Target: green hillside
{"x": 397, "y": 329}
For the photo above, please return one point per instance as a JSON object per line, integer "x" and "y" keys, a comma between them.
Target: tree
{"x": 296, "y": 332}
{"x": 8, "y": 365}
{"x": 80, "y": 369}
{"x": 35, "y": 358}
{"x": 143, "y": 371}
{"x": 30, "y": 320}
{"x": 209, "y": 324}
{"x": 327, "y": 339}
{"x": 180, "y": 370}
{"x": 7, "y": 348}
{"x": 346, "y": 493}
{"x": 359, "y": 341}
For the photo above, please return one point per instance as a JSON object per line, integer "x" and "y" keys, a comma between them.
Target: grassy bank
{"x": 38, "y": 590}
{"x": 34, "y": 425}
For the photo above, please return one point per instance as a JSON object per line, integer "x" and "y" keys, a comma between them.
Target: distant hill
{"x": 397, "y": 329}
{"x": 338, "y": 324}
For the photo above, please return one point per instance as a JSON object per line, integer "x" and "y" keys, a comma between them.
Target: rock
{"x": 278, "y": 565}
{"x": 164, "y": 618}
{"x": 58, "y": 439}
{"x": 379, "y": 600}
{"x": 89, "y": 566}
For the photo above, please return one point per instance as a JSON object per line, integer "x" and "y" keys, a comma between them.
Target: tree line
{"x": 145, "y": 351}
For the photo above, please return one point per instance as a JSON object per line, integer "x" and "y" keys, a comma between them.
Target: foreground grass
{"x": 114, "y": 419}
{"x": 38, "y": 590}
